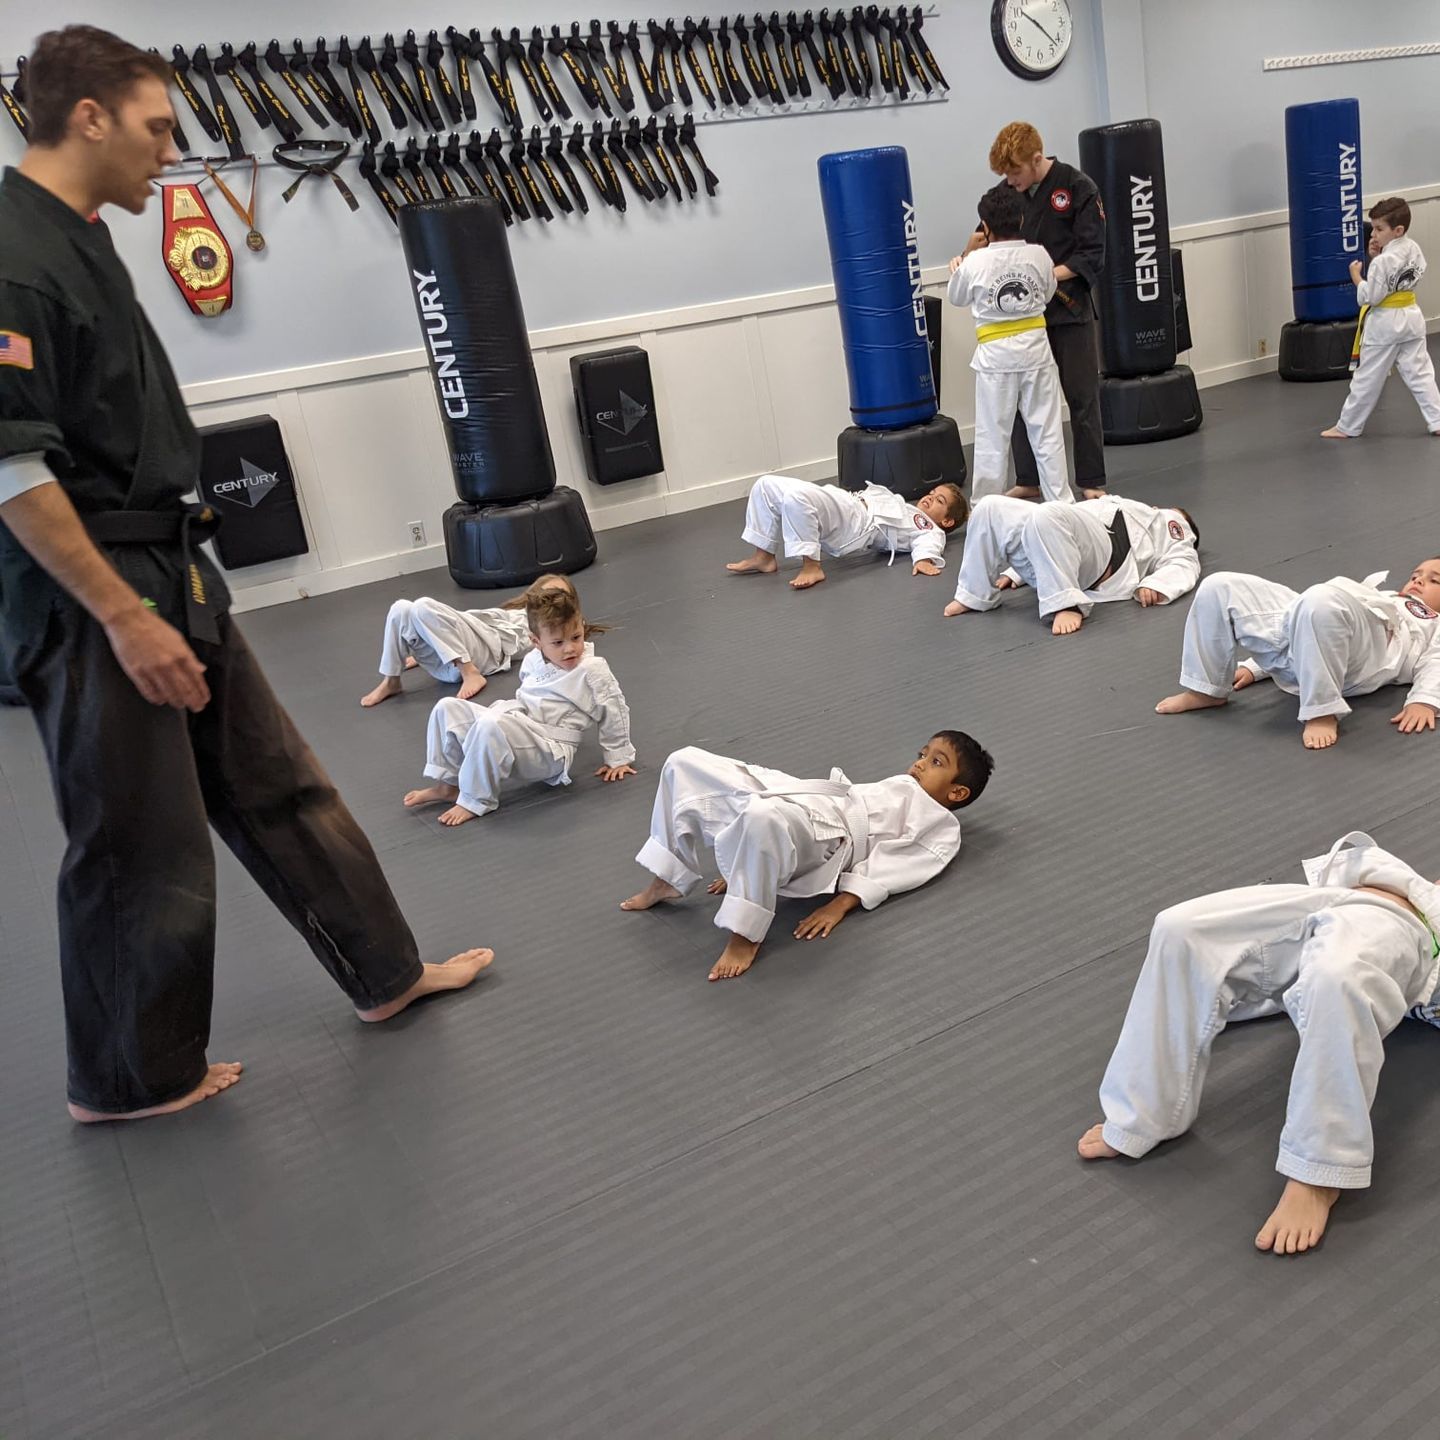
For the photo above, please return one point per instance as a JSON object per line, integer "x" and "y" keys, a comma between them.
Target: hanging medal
{"x": 253, "y": 238}
{"x": 196, "y": 253}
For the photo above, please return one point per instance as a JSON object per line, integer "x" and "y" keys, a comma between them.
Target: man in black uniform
{"x": 154, "y": 714}
{"x": 1063, "y": 213}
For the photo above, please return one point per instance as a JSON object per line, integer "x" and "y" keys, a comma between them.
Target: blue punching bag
{"x": 875, "y": 255}
{"x": 1327, "y": 224}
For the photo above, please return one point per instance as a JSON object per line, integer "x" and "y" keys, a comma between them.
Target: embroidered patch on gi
{"x": 1176, "y": 529}
{"x": 921, "y": 523}
{"x": 16, "y": 350}
{"x": 1060, "y": 201}
{"x": 1419, "y": 608}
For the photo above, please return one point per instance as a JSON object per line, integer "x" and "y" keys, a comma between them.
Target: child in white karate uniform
{"x": 1076, "y": 556}
{"x": 774, "y": 834}
{"x": 453, "y": 646}
{"x": 565, "y": 688}
{"x": 1392, "y": 328}
{"x": 1007, "y": 285}
{"x": 1346, "y": 956}
{"x": 1337, "y": 639}
{"x": 812, "y": 519}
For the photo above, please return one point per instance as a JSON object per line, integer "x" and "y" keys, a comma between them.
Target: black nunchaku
{"x": 346, "y": 58}
{"x": 600, "y": 151}
{"x": 575, "y": 145}
{"x": 369, "y": 172}
{"x": 365, "y": 54}
{"x": 393, "y": 171}
{"x": 541, "y": 66}
{"x": 460, "y": 49}
{"x": 200, "y": 64}
{"x": 672, "y": 144}
{"x": 732, "y": 72}
{"x": 340, "y": 106}
{"x": 917, "y": 21}
{"x": 227, "y": 66}
{"x": 495, "y": 154}
{"x": 280, "y": 64}
{"x": 479, "y": 160}
{"x": 248, "y": 59}
{"x": 180, "y": 68}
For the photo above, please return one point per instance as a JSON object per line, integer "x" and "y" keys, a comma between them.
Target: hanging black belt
{"x": 334, "y": 150}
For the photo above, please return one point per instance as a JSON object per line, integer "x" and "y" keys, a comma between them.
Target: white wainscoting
{"x": 742, "y": 387}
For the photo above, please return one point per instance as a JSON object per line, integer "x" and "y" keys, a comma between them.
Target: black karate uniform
{"x": 1064, "y": 214}
{"x": 89, "y": 388}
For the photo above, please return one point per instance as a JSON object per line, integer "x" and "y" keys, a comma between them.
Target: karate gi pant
{"x": 809, "y": 518}
{"x": 1076, "y": 349}
{"x": 1343, "y": 964}
{"x": 1058, "y": 550}
{"x": 1030, "y": 398}
{"x": 439, "y": 637}
{"x": 1412, "y": 359}
{"x": 1324, "y": 643}
{"x": 478, "y": 747}
{"x": 135, "y": 785}
{"x": 761, "y": 842}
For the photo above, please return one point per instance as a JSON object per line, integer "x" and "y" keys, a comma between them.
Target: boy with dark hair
{"x": 774, "y": 834}
{"x": 1391, "y": 329}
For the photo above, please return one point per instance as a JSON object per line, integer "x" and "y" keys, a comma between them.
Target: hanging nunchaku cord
{"x": 369, "y": 172}
{"x": 541, "y": 66}
{"x": 460, "y": 49}
{"x": 279, "y": 63}
{"x": 346, "y": 57}
{"x": 229, "y": 130}
{"x": 732, "y": 73}
{"x": 555, "y": 153}
{"x": 365, "y": 54}
{"x": 475, "y": 154}
{"x": 292, "y": 156}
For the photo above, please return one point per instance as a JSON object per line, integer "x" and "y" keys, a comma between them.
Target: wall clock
{"x": 1032, "y": 37}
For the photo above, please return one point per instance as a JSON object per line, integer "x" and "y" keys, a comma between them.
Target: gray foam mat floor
{"x": 599, "y": 1197}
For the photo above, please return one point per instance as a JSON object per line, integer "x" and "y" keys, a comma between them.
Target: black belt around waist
{"x": 1119, "y": 549}
{"x": 187, "y": 528}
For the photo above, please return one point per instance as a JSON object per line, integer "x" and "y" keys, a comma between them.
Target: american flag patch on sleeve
{"x": 16, "y": 350}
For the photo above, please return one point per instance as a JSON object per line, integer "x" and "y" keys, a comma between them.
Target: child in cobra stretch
{"x": 565, "y": 688}
{"x": 453, "y": 645}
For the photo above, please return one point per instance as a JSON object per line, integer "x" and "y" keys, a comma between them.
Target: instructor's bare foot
{"x": 1333, "y": 434}
{"x": 656, "y": 891}
{"x": 1066, "y": 622}
{"x": 762, "y": 562}
{"x": 454, "y": 974}
{"x": 956, "y": 608}
{"x": 456, "y": 815}
{"x": 735, "y": 959}
{"x": 472, "y": 682}
{"x": 217, "y": 1078}
{"x": 431, "y": 795}
{"x": 1321, "y": 732}
{"x": 1298, "y": 1221}
{"x": 810, "y": 574}
{"x": 389, "y": 685}
{"x": 1092, "y": 1145}
{"x": 1188, "y": 700}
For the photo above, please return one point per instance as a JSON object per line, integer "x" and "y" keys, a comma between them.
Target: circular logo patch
{"x": 1417, "y": 607}
{"x": 1060, "y": 201}
{"x": 921, "y": 523}
{"x": 1177, "y": 530}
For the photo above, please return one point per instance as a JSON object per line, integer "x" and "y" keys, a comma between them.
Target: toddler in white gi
{"x": 1392, "y": 328}
{"x": 565, "y": 688}
{"x": 812, "y": 519}
{"x": 1007, "y": 285}
{"x": 1076, "y": 556}
{"x": 1346, "y": 956}
{"x": 1337, "y": 639}
{"x": 774, "y": 834}
{"x": 453, "y": 645}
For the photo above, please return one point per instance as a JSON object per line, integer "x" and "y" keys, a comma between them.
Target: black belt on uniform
{"x": 1119, "y": 549}
{"x": 187, "y": 527}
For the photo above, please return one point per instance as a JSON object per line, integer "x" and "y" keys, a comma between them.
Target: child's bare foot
{"x": 431, "y": 795}
{"x": 1023, "y": 492}
{"x": 762, "y": 562}
{"x": 217, "y": 1078}
{"x": 656, "y": 891}
{"x": 411, "y": 663}
{"x": 1092, "y": 1145}
{"x": 717, "y": 887}
{"x": 1333, "y": 434}
{"x": 956, "y": 608}
{"x": 1298, "y": 1221}
{"x": 810, "y": 574}
{"x": 1066, "y": 622}
{"x": 472, "y": 682}
{"x": 389, "y": 685}
{"x": 1188, "y": 700}
{"x": 456, "y": 815}
{"x": 735, "y": 959}
{"x": 1093, "y": 494}
{"x": 454, "y": 974}
{"x": 1005, "y": 583}
{"x": 1321, "y": 732}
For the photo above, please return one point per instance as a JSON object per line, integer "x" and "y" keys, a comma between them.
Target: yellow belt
{"x": 999, "y": 329}
{"x": 1397, "y": 300}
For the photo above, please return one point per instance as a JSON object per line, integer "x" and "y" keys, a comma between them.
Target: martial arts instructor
{"x": 154, "y": 713}
{"x": 1063, "y": 212}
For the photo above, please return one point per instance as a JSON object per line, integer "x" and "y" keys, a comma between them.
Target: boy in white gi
{"x": 1007, "y": 285}
{"x": 1337, "y": 639}
{"x": 1076, "y": 556}
{"x": 453, "y": 645}
{"x": 565, "y": 688}
{"x": 815, "y": 518}
{"x": 1391, "y": 329}
{"x": 1346, "y": 956}
{"x": 773, "y": 835}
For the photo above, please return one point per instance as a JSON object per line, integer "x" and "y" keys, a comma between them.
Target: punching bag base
{"x": 488, "y": 546}
{"x": 1136, "y": 409}
{"x": 1316, "y": 349}
{"x": 909, "y": 461}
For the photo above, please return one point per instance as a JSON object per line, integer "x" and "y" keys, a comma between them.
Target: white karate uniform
{"x": 1063, "y": 550}
{"x": 815, "y": 518}
{"x": 774, "y": 834}
{"x": 1344, "y": 964}
{"x": 1344, "y": 637}
{"x": 1391, "y": 337}
{"x": 534, "y": 736}
{"x": 440, "y": 637}
{"x": 1012, "y": 280}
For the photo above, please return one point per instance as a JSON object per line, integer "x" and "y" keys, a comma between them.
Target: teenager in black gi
{"x": 1064, "y": 214}
{"x": 155, "y": 715}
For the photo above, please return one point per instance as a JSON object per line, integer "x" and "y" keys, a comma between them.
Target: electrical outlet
{"x": 417, "y": 533}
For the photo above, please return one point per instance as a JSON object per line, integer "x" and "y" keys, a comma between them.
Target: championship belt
{"x": 196, "y": 253}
